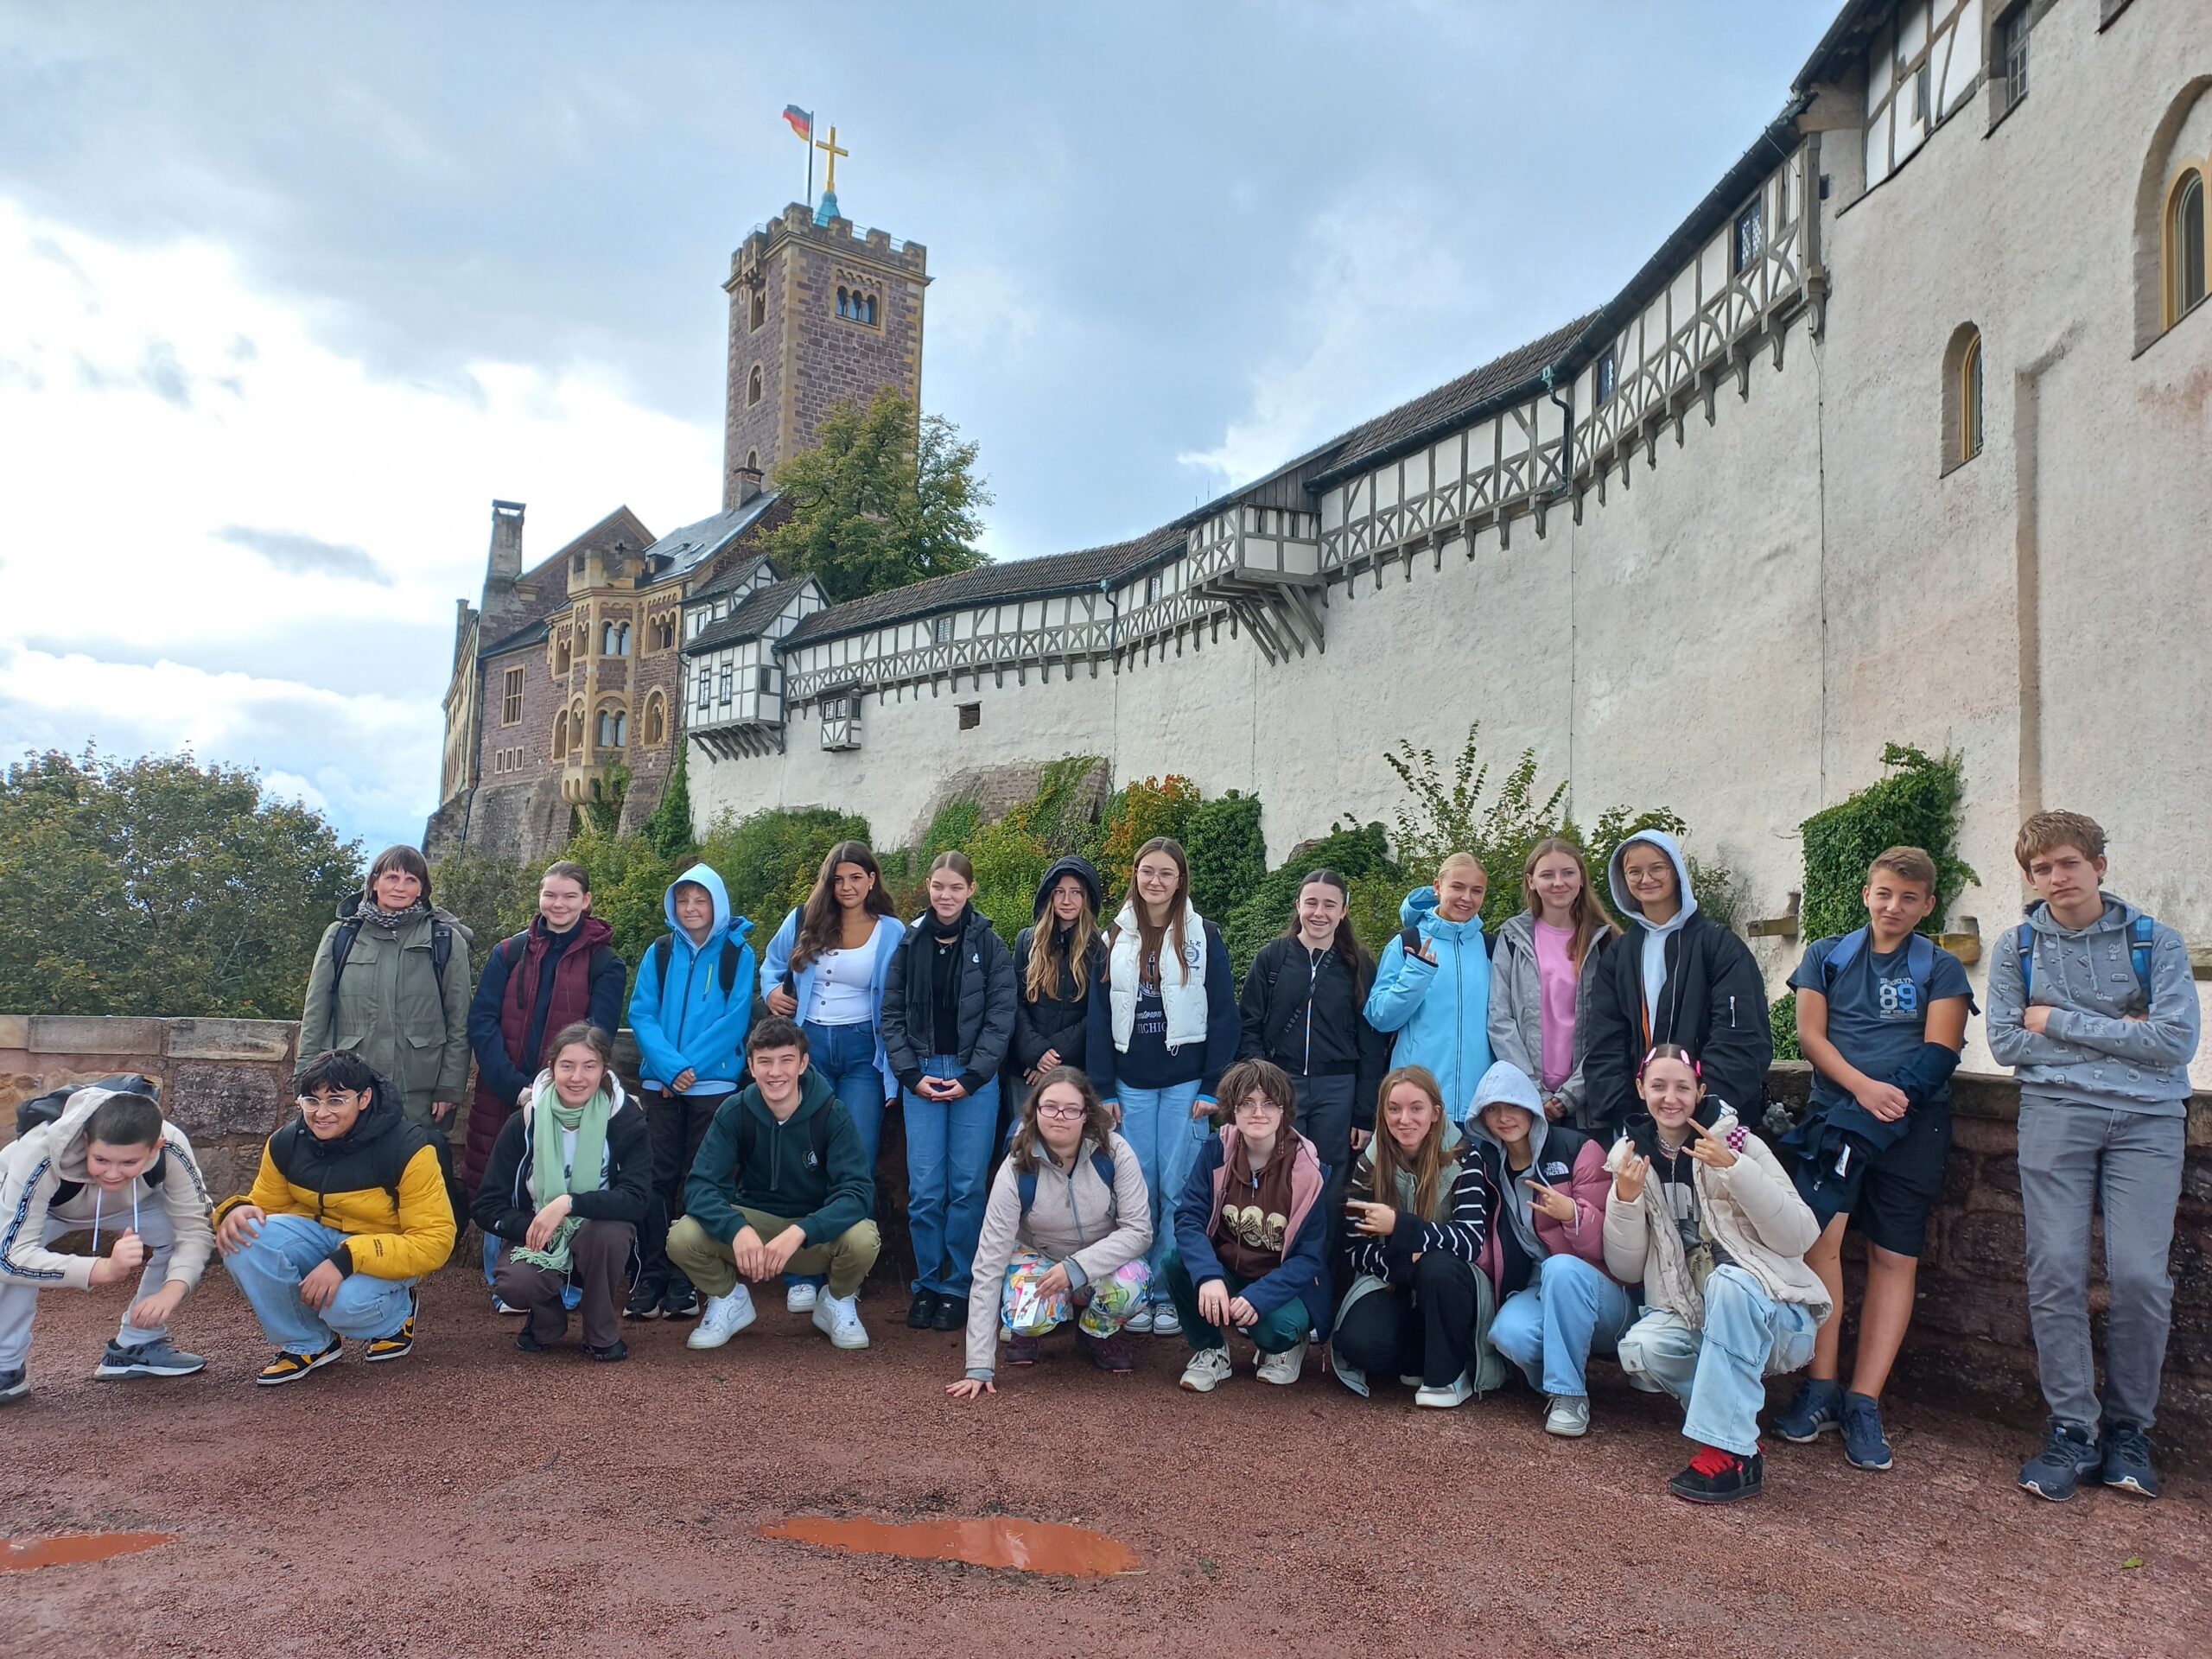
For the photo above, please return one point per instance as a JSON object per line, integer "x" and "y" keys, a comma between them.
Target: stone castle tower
{"x": 817, "y": 314}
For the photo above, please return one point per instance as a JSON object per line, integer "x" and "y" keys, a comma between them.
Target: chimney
{"x": 505, "y": 563}
{"x": 745, "y": 485}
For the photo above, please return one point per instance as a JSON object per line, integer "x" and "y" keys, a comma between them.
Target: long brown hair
{"x": 1025, "y": 1149}
{"x": 1589, "y": 916}
{"x": 1348, "y": 948}
{"x": 1041, "y": 983}
{"x": 820, "y": 923}
{"x": 1427, "y": 1163}
{"x": 1150, "y": 934}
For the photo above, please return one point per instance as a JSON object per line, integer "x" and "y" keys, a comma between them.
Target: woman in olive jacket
{"x": 392, "y": 982}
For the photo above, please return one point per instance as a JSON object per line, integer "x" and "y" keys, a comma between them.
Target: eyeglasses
{"x": 1063, "y": 1113}
{"x": 328, "y": 1103}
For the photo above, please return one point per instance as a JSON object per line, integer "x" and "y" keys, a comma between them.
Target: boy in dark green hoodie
{"x": 780, "y": 1185}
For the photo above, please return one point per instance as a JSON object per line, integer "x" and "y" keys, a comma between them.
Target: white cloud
{"x": 152, "y": 400}
{"x": 1381, "y": 277}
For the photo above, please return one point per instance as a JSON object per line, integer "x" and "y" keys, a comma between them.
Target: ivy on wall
{"x": 1916, "y": 804}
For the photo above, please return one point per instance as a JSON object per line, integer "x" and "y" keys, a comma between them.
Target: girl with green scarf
{"x": 566, "y": 1188}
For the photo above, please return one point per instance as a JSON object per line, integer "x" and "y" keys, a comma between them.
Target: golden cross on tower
{"x": 830, "y": 181}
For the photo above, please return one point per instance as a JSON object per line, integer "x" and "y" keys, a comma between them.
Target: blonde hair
{"x": 1461, "y": 861}
{"x": 1588, "y": 916}
{"x": 1908, "y": 864}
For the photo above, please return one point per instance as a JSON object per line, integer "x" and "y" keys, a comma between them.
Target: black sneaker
{"x": 921, "y": 1312}
{"x": 644, "y": 1301}
{"x": 400, "y": 1343}
{"x": 2069, "y": 1453}
{"x": 1717, "y": 1477}
{"x": 950, "y": 1313}
{"x": 2127, "y": 1461}
{"x": 288, "y": 1367}
{"x": 528, "y": 1344}
{"x": 13, "y": 1385}
{"x": 616, "y": 1350}
{"x": 679, "y": 1301}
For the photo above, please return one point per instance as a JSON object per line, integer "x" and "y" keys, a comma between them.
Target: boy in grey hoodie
{"x": 2092, "y": 1004}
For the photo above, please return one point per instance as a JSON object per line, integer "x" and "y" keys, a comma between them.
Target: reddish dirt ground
{"x": 471, "y": 1499}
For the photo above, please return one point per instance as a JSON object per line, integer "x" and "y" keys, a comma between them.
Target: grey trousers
{"x": 19, "y": 1298}
{"x": 2075, "y": 1157}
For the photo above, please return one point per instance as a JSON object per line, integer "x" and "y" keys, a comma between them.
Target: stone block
{"x": 69, "y": 1033}
{"x": 1984, "y": 1134}
{"x": 227, "y": 1167}
{"x": 213, "y": 1098}
{"x": 2001, "y": 1172}
{"x": 232, "y": 1039}
{"x": 1959, "y": 1178}
{"x": 1988, "y": 1245}
{"x": 15, "y": 1031}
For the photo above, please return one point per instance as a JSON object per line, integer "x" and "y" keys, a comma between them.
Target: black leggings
{"x": 675, "y": 1124}
{"x": 1426, "y": 1328}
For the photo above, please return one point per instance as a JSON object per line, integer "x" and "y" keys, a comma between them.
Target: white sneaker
{"x": 1165, "y": 1321}
{"x": 1458, "y": 1394}
{"x": 1140, "y": 1323}
{"x": 1569, "y": 1416}
{"x": 838, "y": 1318}
{"x": 725, "y": 1316}
{"x": 1208, "y": 1369}
{"x": 1282, "y": 1369}
{"x": 799, "y": 1298}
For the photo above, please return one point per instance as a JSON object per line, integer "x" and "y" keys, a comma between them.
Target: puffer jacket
{"x": 1439, "y": 1013}
{"x": 44, "y": 1175}
{"x": 987, "y": 998}
{"x": 382, "y": 1184}
{"x": 1516, "y": 1009}
{"x": 1076, "y": 1219}
{"x": 393, "y": 1008}
{"x": 1562, "y": 1157}
{"x": 1751, "y": 1207}
{"x": 1057, "y": 1021}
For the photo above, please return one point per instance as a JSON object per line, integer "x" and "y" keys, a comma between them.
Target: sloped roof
{"x": 533, "y": 635}
{"x": 1053, "y": 573}
{"x": 620, "y": 525}
{"x": 686, "y": 549}
{"x": 752, "y": 617}
{"x": 736, "y": 577}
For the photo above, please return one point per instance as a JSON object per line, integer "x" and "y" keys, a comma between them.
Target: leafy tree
{"x": 881, "y": 500}
{"x": 494, "y": 897}
{"x": 1228, "y": 854}
{"x": 668, "y": 831}
{"x": 768, "y": 859}
{"x": 1136, "y": 814}
{"x": 157, "y": 886}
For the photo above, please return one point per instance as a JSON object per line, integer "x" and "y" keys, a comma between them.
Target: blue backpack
{"x": 2139, "y": 941}
{"x": 1025, "y": 1180}
{"x": 1919, "y": 961}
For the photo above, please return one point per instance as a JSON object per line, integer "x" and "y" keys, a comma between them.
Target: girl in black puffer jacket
{"x": 1056, "y": 963}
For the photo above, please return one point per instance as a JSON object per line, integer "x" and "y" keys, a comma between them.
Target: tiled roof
{"x": 736, "y": 577}
{"x": 689, "y": 547}
{"x": 754, "y": 612}
{"x": 1053, "y": 573}
{"x": 620, "y": 525}
{"x": 533, "y": 635}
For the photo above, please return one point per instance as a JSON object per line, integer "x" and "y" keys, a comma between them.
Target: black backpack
{"x": 664, "y": 948}
{"x": 41, "y": 1109}
{"x": 350, "y": 929}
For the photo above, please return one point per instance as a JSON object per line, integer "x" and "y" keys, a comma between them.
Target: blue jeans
{"x": 1721, "y": 1370}
{"x": 268, "y": 1273}
{"x": 948, "y": 1170}
{"x": 1158, "y": 1125}
{"x": 1549, "y": 1327}
{"x": 845, "y": 1056}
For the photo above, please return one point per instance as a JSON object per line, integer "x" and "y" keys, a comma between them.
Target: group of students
{"x": 1481, "y": 1155}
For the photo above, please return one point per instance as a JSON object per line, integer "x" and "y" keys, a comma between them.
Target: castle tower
{"x": 817, "y": 316}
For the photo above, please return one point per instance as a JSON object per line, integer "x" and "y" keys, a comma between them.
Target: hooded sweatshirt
{"x": 1055, "y": 1022}
{"x": 44, "y": 1175}
{"x": 809, "y": 1168}
{"x": 684, "y": 1017}
{"x": 1562, "y": 1157}
{"x": 1516, "y": 1010}
{"x": 1439, "y": 1013}
{"x": 2090, "y": 1053}
{"x": 1687, "y": 981}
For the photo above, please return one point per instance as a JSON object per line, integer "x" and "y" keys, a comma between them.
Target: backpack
{"x": 350, "y": 929}
{"x": 2139, "y": 941}
{"x": 1919, "y": 961}
{"x": 407, "y": 1146}
{"x": 41, "y": 1109}
{"x": 1025, "y": 1180}
{"x": 664, "y": 948}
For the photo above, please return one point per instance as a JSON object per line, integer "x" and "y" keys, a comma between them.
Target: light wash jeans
{"x": 1550, "y": 1327}
{"x": 19, "y": 1297}
{"x": 1721, "y": 1370}
{"x": 845, "y": 1056}
{"x": 947, "y": 1171}
{"x": 1158, "y": 1125}
{"x": 268, "y": 1273}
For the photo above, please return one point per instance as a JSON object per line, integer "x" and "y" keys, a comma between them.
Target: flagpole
{"x": 809, "y": 167}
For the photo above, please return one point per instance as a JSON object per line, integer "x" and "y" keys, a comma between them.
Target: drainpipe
{"x": 1567, "y": 434}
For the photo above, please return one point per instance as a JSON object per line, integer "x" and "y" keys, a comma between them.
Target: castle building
{"x": 1900, "y": 435}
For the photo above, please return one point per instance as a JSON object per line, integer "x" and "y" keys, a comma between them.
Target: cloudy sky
{"x": 289, "y": 293}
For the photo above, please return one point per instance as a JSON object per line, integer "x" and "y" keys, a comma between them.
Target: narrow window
{"x": 1751, "y": 236}
{"x": 1152, "y": 588}
{"x": 706, "y": 689}
{"x": 758, "y": 309}
{"x": 1970, "y": 399}
{"x": 844, "y": 303}
{"x": 622, "y": 640}
{"x": 729, "y": 683}
{"x": 762, "y": 676}
{"x": 752, "y": 387}
{"x": 511, "y": 699}
{"x": 941, "y": 630}
{"x": 870, "y": 318}
{"x": 2010, "y": 56}
{"x": 2186, "y": 248}
{"x": 971, "y": 715}
{"x": 622, "y": 730}
{"x": 1922, "y": 78}
{"x": 1608, "y": 375}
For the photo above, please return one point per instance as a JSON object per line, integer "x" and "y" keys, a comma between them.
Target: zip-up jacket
{"x": 1075, "y": 1220}
{"x": 815, "y": 1175}
{"x": 1303, "y": 1010}
{"x": 44, "y": 1175}
{"x": 505, "y": 1206}
{"x": 1439, "y": 1013}
{"x": 532, "y": 985}
{"x": 1562, "y": 1157}
{"x": 1302, "y": 1273}
{"x": 686, "y": 1021}
{"x": 1517, "y": 1008}
{"x": 392, "y": 1007}
{"x": 1058, "y": 1022}
{"x": 340, "y": 1184}
{"x": 986, "y": 997}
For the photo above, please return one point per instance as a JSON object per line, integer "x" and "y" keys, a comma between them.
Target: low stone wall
{"x": 225, "y": 1083}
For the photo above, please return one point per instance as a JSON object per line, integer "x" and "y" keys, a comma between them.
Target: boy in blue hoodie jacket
{"x": 2092, "y": 1004}
{"x": 1432, "y": 988}
{"x": 691, "y": 1009}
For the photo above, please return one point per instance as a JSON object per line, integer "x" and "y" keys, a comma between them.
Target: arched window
{"x": 562, "y": 653}
{"x": 758, "y": 312}
{"x": 577, "y": 728}
{"x": 844, "y": 302}
{"x": 612, "y": 722}
{"x": 1962, "y": 400}
{"x": 655, "y": 721}
{"x": 752, "y": 460}
{"x": 560, "y": 736}
{"x": 622, "y": 640}
{"x": 869, "y": 308}
{"x": 752, "y": 387}
{"x": 2185, "y": 250}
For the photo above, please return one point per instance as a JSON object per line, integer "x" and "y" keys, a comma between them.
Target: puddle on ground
{"x": 63, "y": 1548}
{"x": 991, "y": 1541}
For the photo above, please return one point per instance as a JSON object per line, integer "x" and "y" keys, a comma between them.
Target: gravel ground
{"x": 472, "y": 1499}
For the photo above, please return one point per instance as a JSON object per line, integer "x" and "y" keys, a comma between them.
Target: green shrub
{"x": 1136, "y": 813}
{"x": 1358, "y": 852}
{"x": 1228, "y": 854}
{"x": 668, "y": 831}
{"x": 1916, "y": 806}
{"x": 629, "y": 884}
{"x": 769, "y": 859}
{"x": 1781, "y": 1016}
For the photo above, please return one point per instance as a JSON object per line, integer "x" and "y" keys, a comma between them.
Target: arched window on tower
{"x": 612, "y": 725}
{"x": 560, "y": 737}
{"x": 757, "y": 314}
{"x": 575, "y": 729}
{"x": 869, "y": 307}
{"x": 562, "y": 653}
{"x": 622, "y": 640}
{"x": 752, "y": 387}
{"x": 655, "y": 721}
{"x": 2184, "y": 249}
{"x": 752, "y": 460}
{"x": 844, "y": 302}
{"x": 1962, "y": 403}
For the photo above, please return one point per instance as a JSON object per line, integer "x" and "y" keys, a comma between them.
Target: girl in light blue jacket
{"x": 1432, "y": 988}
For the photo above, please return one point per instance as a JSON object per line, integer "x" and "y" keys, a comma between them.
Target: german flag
{"x": 802, "y": 121}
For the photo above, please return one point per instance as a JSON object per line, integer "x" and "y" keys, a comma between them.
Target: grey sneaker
{"x": 1569, "y": 1416}
{"x": 155, "y": 1358}
{"x": 13, "y": 1385}
{"x": 1207, "y": 1371}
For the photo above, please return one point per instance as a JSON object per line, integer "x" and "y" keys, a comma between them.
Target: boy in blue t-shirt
{"x": 1882, "y": 1016}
